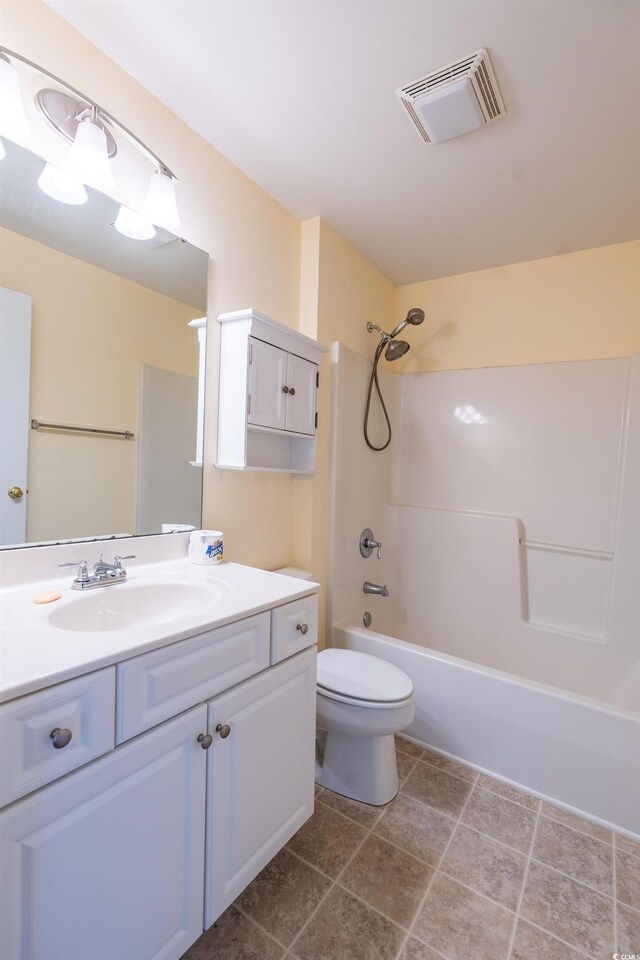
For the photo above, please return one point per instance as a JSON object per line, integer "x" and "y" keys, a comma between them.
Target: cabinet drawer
{"x": 287, "y": 625}
{"x": 83, "y": 707}
{"x": 156, "y": 686}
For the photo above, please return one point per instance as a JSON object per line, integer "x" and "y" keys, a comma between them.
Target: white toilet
{"x": 361, "y": 703}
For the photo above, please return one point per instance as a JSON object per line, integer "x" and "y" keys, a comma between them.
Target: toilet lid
{"x": 360, "y": 676}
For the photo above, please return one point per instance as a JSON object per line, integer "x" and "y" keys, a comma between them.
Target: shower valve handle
{"x": 368, "y": 544}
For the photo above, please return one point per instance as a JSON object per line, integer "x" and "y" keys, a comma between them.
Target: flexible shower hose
{"x": 374, "y": 380}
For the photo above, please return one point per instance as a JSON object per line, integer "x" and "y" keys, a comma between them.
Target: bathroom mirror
{"x": 100, "y": 339}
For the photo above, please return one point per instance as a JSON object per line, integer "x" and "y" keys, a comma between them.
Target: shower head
{"x": 396, "y": 349}
{"x": 414, "y": 317}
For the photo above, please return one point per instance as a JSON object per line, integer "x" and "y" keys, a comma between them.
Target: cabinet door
{"x": 267, "y": 380}
{"x": 108, "y": 862}
{"x": 260, "y": 778}
{"x": 301, "y": 399}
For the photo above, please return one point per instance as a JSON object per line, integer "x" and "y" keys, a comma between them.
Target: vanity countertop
{"x": 36, "y": 653}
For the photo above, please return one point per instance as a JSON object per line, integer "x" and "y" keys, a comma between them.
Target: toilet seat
{"x": 360, "y": 679}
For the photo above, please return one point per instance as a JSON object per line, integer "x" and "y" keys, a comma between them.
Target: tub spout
{"x": 376, "y": 588}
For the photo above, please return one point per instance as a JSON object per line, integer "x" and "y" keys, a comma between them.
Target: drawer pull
{"x": 292, "y": 391}
{"x": 303, "y": 628}
{"x": 224, "y": 730}
{"x": 60, "y": 737}
{"x": 205, "y": 740}
{"x": 285, "y": 389}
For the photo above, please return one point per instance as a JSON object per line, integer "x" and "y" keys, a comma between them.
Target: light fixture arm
{"x": 97, "y": 111}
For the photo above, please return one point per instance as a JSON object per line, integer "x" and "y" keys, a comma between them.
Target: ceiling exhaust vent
{"x": 460, "y": 97}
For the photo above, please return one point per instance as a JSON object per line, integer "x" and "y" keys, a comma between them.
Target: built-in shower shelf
{"x": 267, "y": 415}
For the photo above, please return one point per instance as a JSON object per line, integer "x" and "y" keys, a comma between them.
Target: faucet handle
{"x": 117, "y": 561}
{"x": 83, "y": 574}
{"x": 368, "y": 543}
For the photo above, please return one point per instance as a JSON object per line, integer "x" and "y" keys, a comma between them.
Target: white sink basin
{"x": 122, "y": 606}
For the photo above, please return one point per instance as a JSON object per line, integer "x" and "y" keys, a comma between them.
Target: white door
{"x": 108, "y": 862}
{"x": 267, "y": 382}
{"x": 301, "y": 399}
{"x": 260, "y": 778}
{"x": 15, "y": 348}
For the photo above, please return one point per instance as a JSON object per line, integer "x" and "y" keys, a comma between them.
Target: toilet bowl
{"x": 361, "y": 703}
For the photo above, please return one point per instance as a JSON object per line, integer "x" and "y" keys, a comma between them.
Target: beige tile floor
{"x": 457, "y": 866}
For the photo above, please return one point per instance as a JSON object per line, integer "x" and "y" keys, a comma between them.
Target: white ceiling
{"x": 301, "y": 96}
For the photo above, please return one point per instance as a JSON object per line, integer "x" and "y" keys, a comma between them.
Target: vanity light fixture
{"x": 92, "y": 132}
{"x": 61, "y": 185}
{"x": 133, "y": 225}
{"x": 88, "y": 158}
{"x": 160, "y": 205}
{"x": 13, "y": 119}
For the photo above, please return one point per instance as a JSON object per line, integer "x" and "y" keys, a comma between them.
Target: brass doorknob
{"x": 16, "y": 493}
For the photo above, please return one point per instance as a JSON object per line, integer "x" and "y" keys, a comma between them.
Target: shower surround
{"x": 508, "y": 508}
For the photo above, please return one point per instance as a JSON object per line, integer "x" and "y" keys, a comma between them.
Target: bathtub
{"x": 578, "y": 752}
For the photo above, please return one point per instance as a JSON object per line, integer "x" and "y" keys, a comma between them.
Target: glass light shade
{"x": 134, "y": 225}
{"x": 3, "y": 152}
{"x": 60, "y": 185}
{"x": 160, "y": 206}
{"x": 88, "y": 158}
{"x": 13, "y": 120}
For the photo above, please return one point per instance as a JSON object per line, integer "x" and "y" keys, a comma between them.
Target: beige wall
{"x": 253, "y": 241}
{"x": 90, "y": 332}
{"x": 339, "y": 291}
{"x": 578, "y": 306}
{"x": 306, "y": 275}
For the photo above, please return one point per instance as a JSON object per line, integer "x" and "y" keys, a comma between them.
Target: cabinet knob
{"x": 285, "y": 389}
{"x": 205, "y": 740}
{"x": 303, "y": 628}
{"x": 292, "y": 391}
{"x": 60, "y": 737}
{"x": 224, "y": 730}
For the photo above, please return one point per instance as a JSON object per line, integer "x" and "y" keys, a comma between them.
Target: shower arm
{"x": 383, "y": 333}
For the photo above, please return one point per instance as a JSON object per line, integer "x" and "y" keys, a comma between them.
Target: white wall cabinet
{"x": 282, "y": 389}
{"x": 265, "y": 757}
{"x": 267, "y": 400}
{"x": 133, "y": 854}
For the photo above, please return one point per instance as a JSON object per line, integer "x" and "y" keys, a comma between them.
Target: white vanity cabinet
{"x": 135, "y": 853}
{"x": 260, "y": 775}
{"x": 109, "y": 861}
{"x": 267, "y": 416}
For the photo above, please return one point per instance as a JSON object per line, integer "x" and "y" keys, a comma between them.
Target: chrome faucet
{"x": 103, "y": 575}
{"x": 375, "y": 588}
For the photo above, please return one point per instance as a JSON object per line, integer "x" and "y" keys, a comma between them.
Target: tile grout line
{"x": 423, "y": 899}
{"x": 568, "y": 876}
{"x": 259, "y": 926}
{"x": 564, "y": 943}
{"x": 605, "y": 843}
{"x": 524, "y": 884}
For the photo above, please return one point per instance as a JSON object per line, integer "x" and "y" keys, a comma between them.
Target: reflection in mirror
{"x": 99, "y": 362}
